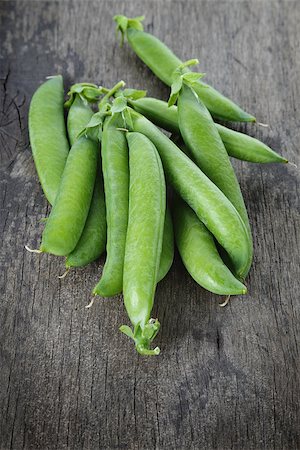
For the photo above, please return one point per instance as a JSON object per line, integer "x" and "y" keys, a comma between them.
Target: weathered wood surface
{"x": 226, "y": 378}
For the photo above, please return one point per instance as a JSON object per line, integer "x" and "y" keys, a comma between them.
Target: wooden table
{"x": 227, "y": 378}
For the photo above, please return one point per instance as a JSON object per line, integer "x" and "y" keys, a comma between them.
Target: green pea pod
{"x": 209, "y": 203}
{"x": 199, "y": 253}
{"x": 48, "y": 136}
{"x": 114, "y": 152}
{"x": 247, "y": 148}
{"x": 79, "y": 115}
{"x": 147, "y": 203}
{"x": 93, "y": 238}
{"x": 167, "y": 252}
{"x": 203, "y": 141}
{"x": 238, "y": 145}
{"x": 68, "y": 215}
{"x": 162, "y": 61}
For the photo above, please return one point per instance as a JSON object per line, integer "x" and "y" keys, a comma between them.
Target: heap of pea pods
{"x": 105, "y": 175}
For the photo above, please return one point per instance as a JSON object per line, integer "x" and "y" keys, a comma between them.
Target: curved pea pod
{"x": 47, "y": 133}
{"x": 93, "y": 238}
{"x": 199, "y": 253}
{"x": 209, "y": 203}
{"x": 147, "y": 203}
{"x": 238, "y": 145}
{"x": 69, "y": 213}
{"x": 205, "y": 144}
{"x": 167, "y": 251}
{"x": 79, "y": 115}
{"x": 115, "y": 167}
{"x": 163, "y": 62}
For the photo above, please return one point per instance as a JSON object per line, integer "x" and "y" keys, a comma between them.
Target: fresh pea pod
{"x": 162, "y": 61}
{"x": 167, "y": 251}
{"x": 203, "y": 141}
{"x": 238, "y": 145}
{"x": 48, "y": 137}
{"x": 115, "y": 167}
{"x": 147, "y": 203}
{"x": 93, "y": 238}
{"x": 209, "y": 203}
{"x": 199, "y": 253}
{"x": 68, "y": 215}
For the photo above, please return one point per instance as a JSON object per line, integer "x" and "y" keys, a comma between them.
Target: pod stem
{"x": 188, "y": 63}
{"x": 110, "y": 93}
{"x": 143, "y": 337}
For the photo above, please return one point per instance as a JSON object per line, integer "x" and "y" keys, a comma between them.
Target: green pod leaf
{"x": 192, "y": 77}
{"x": 132, "y": 94}
{"x": 127, "y": 330}
{"x": 96, "y": 119}
{"x": 175, "y": 89}
{"x": 136, "y": 23}
{"x": 119, "y": 104}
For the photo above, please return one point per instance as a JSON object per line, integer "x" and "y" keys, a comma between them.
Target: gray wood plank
{"x": 226, "y": 378}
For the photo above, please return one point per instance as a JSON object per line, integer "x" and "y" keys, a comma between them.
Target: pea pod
{"x": 203, "y": 140}
{"x": 199, "y": 253}
{"x": 116, "y": 186}
{"x": 48, "y": 136}
{"x": 162, "y": 61}
{"x": 167, "y": 251}
{"x": 209, "y": 203}
{"x": 93, "y": 238}
{"x": 247, "y": 148}
{"x": 238, "y": 145}
{"x": 147, "y": 203}
{"x": 68, "y": 215}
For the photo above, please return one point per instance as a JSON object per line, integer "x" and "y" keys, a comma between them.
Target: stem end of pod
{"x": 143, "y": 337}
{"x": 124, "y": 23}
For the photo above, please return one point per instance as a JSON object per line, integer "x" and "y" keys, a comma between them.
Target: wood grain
{"x": 226, "y": 378}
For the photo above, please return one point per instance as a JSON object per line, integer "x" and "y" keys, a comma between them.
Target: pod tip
{"x": 32, "y": 250}
{"x": 291, "y": 163}
{"x": 64, "y": 274}
{"x": 226, "y": 302}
